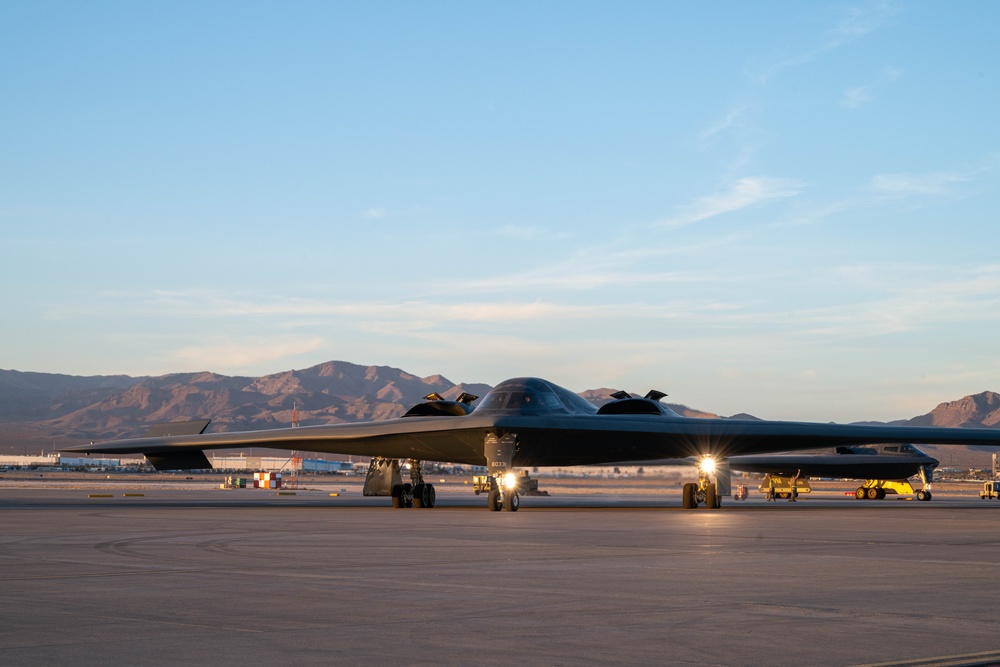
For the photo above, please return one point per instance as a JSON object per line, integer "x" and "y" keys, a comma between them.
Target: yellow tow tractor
{"x": 878, "y": 489}
{"x": 782, "y": 486}
{"x": 990, "y": 490}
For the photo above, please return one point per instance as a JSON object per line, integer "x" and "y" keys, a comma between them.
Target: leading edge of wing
{"x": 310, "y": 438}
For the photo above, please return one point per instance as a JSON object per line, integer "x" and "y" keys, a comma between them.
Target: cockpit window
{"x": 493, "y": 400}
{"x": 519, "y": 399}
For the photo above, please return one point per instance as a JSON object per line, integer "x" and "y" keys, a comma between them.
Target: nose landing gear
{"x": 499, "y": 451}
{"x": 706, "y": 490}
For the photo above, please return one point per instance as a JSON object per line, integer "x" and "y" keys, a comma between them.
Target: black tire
{"x": 407, "y": 495}
{"x": 872, "y": 493}
{"x": 711, "y": 497}
{"x": 511, "y": 502}
{"x": 860, "y": 494}
{"x": 429, "y": 495}
{"x": 397, "y": 496}
{"x": 881, "y": 494}
{"x": 688, "y": 496}
{"x": 493, "y": 500}
{"x": 418, "y": 495}
{"x": 921, "y": 495}
{"x": 928, "y": 495}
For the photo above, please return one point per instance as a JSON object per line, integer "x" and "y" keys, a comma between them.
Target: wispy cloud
{"x": 743, "y": 193}
{"x": 856, "y": 97}
{"x": 912, "y": 298}
{"x": 856, "y": 24}
{"x": 725, "y": 123}
{"x": 375, "y": 213}
{"x": 901, "y": 185}
{"x": 237, "y": 353}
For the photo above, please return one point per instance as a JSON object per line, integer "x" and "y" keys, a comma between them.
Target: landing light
{"x": 707, "y": 465}
{"x": 510, "y": 480}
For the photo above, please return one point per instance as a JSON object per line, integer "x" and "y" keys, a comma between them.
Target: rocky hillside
{"x": 978, "y": 411}
{"x": 40, "y": 396}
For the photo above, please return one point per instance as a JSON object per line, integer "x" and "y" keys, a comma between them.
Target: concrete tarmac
{"x": 203, "y": 576}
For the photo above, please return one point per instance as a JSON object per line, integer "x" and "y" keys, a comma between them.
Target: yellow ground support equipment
{"x": 234, "y": 483}
{"x": 990, "y": 490}
{"x": 782, "y": 485}
{"x": 878, "y": 489}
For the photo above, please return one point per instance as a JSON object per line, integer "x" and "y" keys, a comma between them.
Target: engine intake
{"x": 437, "y": 406}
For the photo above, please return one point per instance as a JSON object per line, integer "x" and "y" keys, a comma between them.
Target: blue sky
{"x": 784, "y": 208}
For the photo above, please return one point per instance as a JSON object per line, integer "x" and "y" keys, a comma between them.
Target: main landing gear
{"x": 385, "y": 479}
{"x": 706, "y": 490}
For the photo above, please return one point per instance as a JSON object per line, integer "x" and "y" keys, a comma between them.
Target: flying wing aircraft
{"x": 533, "y": 422}
{"x": 882, "y": 466}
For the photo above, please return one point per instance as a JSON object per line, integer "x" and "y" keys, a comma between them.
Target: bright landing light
{"x": 510, "y": 480}
{"x": 707, "y": 465}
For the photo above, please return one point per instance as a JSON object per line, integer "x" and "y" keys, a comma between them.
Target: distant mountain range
{"x": 43, "y": 411}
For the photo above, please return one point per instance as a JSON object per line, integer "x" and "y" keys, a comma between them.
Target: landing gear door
{"x": 500, "y": 454}
{"x": 723, "y": 478}
{"x": 383, "y": 476}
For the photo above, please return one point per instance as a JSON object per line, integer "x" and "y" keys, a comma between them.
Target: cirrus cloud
{"x": 743, "y": 193}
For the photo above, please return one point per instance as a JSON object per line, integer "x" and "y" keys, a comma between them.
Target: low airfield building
{"x": 57, "y": 461}
{"x": 278, "y": 463}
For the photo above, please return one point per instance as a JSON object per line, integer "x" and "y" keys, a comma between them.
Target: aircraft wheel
{"x": 881, "y": 494}
{"x": 402, "y": 496}
{"x": 860, "y": 493}
{"x": 493, "y": 500}
{"x": 511, "y": 502}
{"x": 423, "y": 495}
{"x": 873, "y": 493}
{"x": 711, "y": 497}
{"x": 688, "y": 496}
